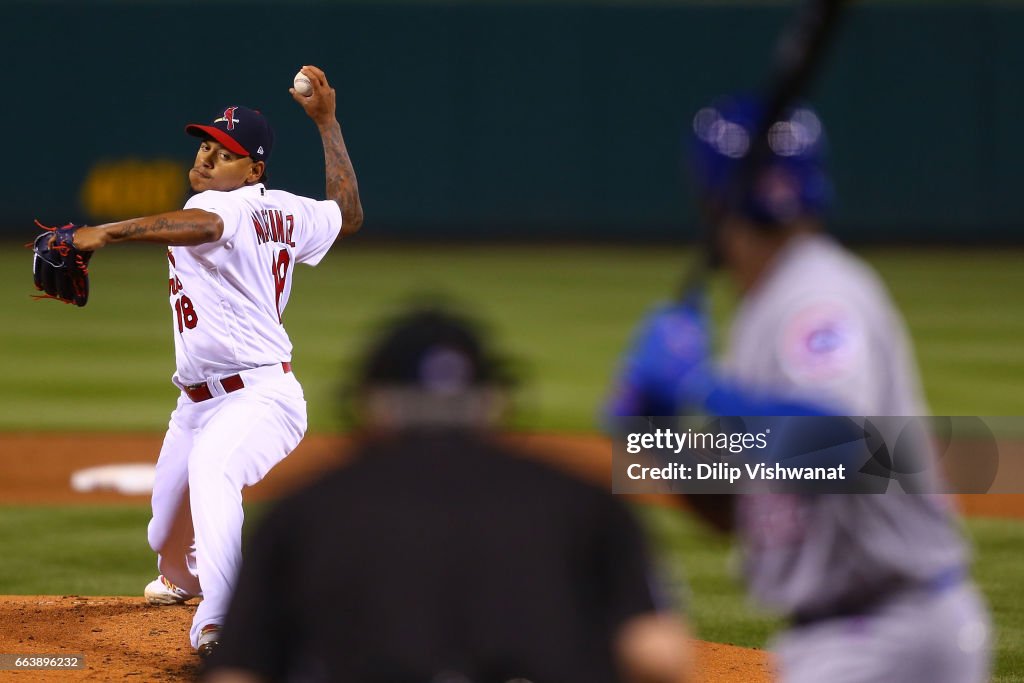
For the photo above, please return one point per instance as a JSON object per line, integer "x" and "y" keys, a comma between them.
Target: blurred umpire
{"x": 876, "y": 587}
{"x": 440, "y": 556}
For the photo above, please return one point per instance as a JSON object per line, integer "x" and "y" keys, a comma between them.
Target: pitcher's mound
{"x": 119, "y": 637}
{"x": 127, "y": 638}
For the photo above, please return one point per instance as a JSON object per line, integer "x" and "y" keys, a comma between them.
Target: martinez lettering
{"x": 271, "y": 225}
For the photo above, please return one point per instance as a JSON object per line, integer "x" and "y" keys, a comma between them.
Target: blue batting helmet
{"x": 790, "y": 181}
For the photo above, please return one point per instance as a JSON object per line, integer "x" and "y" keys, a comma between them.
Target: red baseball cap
{"x": 240, "y": 129}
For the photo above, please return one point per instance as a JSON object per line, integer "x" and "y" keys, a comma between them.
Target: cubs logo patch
{"x": 821, "y": 343}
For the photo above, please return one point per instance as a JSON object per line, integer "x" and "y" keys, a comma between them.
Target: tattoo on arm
{"x": 341, "y": 177}
{"x": 188, "y": 227}
{"x": 136, "y": 229}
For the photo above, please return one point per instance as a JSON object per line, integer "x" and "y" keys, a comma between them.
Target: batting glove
{"x": 667, "y": 365}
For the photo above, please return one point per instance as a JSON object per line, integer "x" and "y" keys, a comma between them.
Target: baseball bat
{"x": 798, "y": 52}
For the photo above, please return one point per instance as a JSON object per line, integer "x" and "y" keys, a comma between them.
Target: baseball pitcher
{"x": 231, "y": 254}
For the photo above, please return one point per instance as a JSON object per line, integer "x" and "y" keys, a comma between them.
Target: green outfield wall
{"x": 510, "y": 120}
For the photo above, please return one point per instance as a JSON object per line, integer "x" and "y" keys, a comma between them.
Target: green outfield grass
{"x": 564, "y": 311}
{"x": 84, "y": 550}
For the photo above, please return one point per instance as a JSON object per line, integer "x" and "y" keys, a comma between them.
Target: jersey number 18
{"x": 183, "y": 308}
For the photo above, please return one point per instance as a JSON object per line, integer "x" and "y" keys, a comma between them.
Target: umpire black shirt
{"x": 438, "y": 553}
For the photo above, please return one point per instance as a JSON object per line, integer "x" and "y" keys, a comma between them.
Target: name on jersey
{"x": 272, "y": 225}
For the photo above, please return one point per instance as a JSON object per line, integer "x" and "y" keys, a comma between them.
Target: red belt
{"x": 201, "y": 392}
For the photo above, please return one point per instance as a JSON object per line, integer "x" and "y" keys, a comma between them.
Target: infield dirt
{"x": 36, "y": 468}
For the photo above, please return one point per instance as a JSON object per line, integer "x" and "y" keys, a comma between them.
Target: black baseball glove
{"x": 58, "y": 268}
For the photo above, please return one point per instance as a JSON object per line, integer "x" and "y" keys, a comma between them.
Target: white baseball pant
{"x": 212, "y": 450}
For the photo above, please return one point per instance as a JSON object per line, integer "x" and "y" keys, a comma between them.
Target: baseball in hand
{"x": 302, "y": 84}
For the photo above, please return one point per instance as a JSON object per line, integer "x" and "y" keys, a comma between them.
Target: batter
{"x": 875, "y": 586}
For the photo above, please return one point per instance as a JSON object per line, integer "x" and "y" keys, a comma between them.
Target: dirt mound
{"x": 118, "y": 637}
{"x": 125, "y": 638}
{"x": 720, "y": 663}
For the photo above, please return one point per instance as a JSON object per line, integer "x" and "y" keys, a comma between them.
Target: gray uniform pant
{"x": 919, "y": 637}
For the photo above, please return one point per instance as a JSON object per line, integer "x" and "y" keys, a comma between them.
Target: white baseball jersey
{"x": 819, "y": 328}
{"x": 228, "y": 297}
